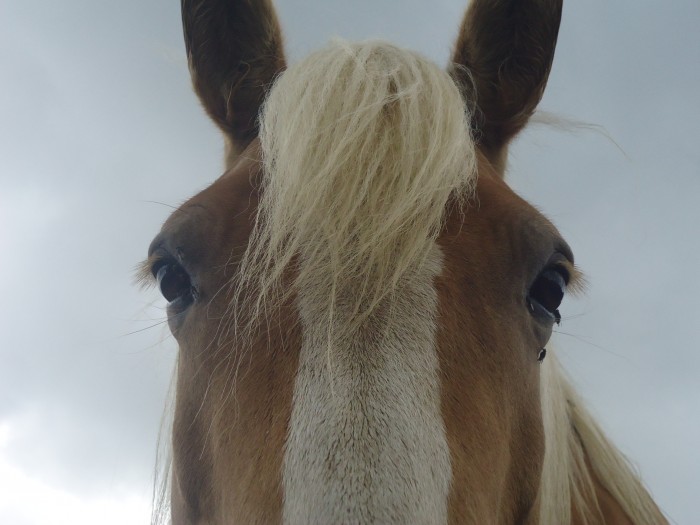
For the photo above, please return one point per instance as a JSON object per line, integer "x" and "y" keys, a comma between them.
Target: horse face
{"x": 243, "y": 449}
{"x": 488, "y": 341}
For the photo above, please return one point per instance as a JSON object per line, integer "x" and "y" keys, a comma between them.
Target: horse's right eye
{"x": 174, "y": 282}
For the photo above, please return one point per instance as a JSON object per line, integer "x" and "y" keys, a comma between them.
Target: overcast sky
{"x": 100, "y": 134}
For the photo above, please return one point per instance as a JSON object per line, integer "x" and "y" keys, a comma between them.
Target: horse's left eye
{"x": 173, "y": 281}
{"x": 547, "y": 292}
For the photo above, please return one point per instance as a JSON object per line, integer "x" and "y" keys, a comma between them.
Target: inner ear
{"x": 502, "y": 60}
{"x": 235, "y": 51}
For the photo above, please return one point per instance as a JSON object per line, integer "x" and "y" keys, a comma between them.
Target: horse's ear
{"x": 234, "y": 48}
{"x": 502, "y": 60}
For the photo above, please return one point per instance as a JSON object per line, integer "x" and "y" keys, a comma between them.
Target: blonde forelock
{"x": 363, "y": 146}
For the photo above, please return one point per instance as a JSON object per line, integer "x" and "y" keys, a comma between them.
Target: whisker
{"x": 158, "y": 343}
{"x": 143, "y": 320}
{"x": 601, "y": 348}
{"x": 161, "y": 203}
{"x": 143, "y": 329}
{"x": 574, "y": 316}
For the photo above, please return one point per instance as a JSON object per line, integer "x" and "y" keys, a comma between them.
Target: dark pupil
{"x": 548, "y": 290}
{"x": 174, "y": 282}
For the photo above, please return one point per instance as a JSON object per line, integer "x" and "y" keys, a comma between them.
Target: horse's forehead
{"x": 223, "y": 215}
{"x": 230, "y": 203}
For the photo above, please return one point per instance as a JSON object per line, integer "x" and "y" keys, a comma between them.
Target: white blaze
{"x": 367, "y": 441}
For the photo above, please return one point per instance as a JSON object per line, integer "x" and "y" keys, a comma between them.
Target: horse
{"x": 362, "y": 304}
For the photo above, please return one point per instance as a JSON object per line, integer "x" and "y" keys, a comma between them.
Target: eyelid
{"x": 145, "y": 275}
{"x": 157, "y": 261}
{"x": 575, "y": 281}
{"x": 561, "y": 268}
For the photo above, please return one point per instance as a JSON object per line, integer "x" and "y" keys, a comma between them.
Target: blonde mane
{"x": 575, "y": 448}
{"x": 363, "y": 146}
